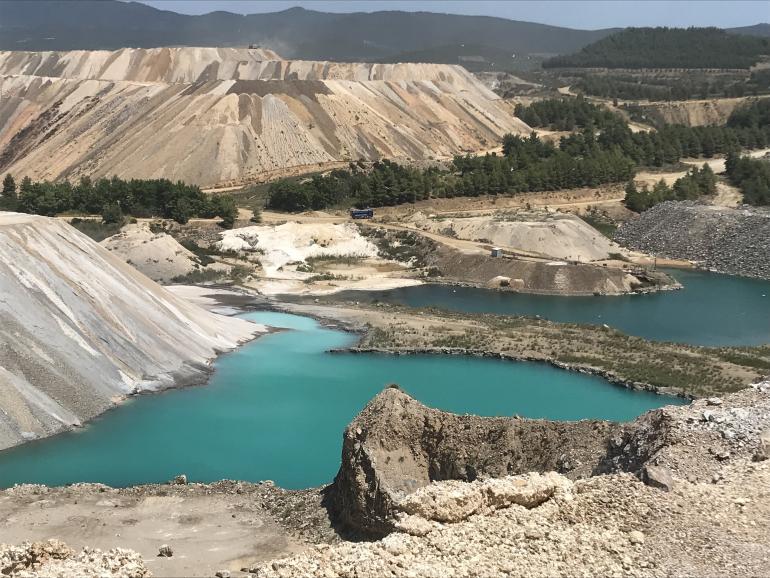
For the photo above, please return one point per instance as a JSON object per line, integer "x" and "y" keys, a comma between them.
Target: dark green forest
{"x": 528, "y": 164}
{"x": 603, "y": 150}
{"x": 680, "y": 87}
{"x": 116, "y": 198}
{"x": 752, "y": 176}
{"x": 695, "y": 184}
{"x": 667, "y": 48}
{"x": 565, "y": 114}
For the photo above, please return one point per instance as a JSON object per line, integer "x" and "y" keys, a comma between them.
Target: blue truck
{"x": 361, "y": 213}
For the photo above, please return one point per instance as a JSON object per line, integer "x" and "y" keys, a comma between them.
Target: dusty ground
{"x": 224, "y": 526}
{"x": 157, "y": 255}
{"x": 550, "y": 235}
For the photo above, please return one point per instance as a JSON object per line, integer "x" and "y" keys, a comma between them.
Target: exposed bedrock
{"x": 396, "y": 445}
{"x": 396, "y": 448}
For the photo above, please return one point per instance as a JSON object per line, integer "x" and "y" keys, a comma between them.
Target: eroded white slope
{"x": 80, "y": 329}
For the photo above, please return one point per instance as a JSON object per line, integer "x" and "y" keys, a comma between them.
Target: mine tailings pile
{"x": 167, "y": 112}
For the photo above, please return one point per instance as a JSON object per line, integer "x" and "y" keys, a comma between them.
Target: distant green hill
{"x": 474, "y": 57}
{"x": 477, "y": 42}
{"x": 669, "y": 48}
{"x": 294, "y": 33}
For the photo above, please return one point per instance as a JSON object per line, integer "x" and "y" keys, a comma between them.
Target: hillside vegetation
{"x": 603, "y": 150}
{"x": 294, "y": 33}
{"x": 668, "y": 48}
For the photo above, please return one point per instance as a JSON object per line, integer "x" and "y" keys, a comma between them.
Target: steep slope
{"x": 80, "y": 329}
{"x": 269, "y": 116}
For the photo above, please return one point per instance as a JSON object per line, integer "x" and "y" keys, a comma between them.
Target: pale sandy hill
{"x": 213, "y": 117}
{"x": 81, "y": 329}
{"x": 292, "y": 242}
{"x": 157, "y": 255}
{"x": 694, "y": 112}
{"x": 561, "y": 236}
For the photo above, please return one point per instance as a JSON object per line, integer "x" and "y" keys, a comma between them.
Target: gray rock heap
{"x": 734, "y": 241}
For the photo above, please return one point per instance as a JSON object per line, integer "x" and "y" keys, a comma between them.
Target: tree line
{"x": 695, "y": 184}
{"x": 117, "y": 198}
{"x": 667, "y": 48}
{"x": 682, "y": 87}
{"x": 752, "y": 176}
{"x": 603, "y": 151}
{"x": 747, "y": 127}
{"x": 565, "y": 114}
{"x": 527, "y": 164}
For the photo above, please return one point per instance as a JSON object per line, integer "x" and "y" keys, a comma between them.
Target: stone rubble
{"x": 54, "y": 558}
{"x": 734, "y": 241}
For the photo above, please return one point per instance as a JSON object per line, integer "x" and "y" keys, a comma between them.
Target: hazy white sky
{"x": 574, "y": 14}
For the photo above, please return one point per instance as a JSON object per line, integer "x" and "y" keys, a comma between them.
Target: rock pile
{"x": 396, "y": 446}
{"x": 734, "y": 241}
{"x": 54, "y": 558}
{"x": 704, "y": 507}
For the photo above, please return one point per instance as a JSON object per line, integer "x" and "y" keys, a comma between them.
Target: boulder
{"x": 657, "y": 477}
{"x": 764, "y": 445}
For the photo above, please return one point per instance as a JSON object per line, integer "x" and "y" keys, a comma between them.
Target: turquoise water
{"x": 711, "y": 309}
{"x": 276, "y": 409}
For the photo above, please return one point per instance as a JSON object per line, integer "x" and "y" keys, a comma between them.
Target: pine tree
{"x": 9, "y": 193}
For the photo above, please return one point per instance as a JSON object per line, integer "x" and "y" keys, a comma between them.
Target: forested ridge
{"x": 603, "y": 150}
{"x": 668, "y": 48}
{"x": 681, "y": 87}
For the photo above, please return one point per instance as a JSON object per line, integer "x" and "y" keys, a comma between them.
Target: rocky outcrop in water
{"x": 734, "y": 241}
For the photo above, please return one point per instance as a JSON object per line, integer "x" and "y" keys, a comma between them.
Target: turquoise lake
{"x": 712, "y": 309}
{"x": 276, "y": 409}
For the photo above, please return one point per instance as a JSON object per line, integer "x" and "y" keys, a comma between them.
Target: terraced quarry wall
{"x": 225, "y": 116}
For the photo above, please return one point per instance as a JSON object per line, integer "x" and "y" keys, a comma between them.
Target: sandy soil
{"x": 315, "y": 254}
{"x": 157, "y": 255}
{"x": 225, "y": 526}
{"x": 550, "y": 235}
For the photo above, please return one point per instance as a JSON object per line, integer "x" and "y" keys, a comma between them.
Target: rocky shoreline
{"x": 609, "y": 376}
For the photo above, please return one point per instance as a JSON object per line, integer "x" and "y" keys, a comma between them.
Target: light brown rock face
{"x": 405, "y": 466}
{"x": 396, "y": 446}
{"x": 221, "y": 116}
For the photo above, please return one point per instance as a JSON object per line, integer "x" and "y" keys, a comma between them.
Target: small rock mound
{"x": 54, "y": 558}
